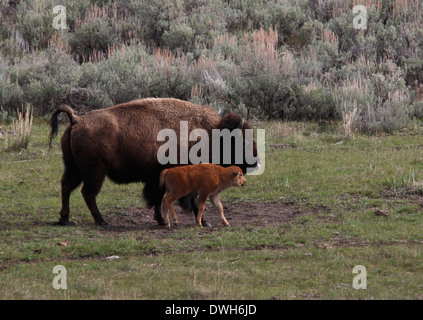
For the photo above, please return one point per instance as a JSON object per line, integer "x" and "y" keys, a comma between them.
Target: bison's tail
{"x": 54, "y": 122}
{"x": 162, "y": 178}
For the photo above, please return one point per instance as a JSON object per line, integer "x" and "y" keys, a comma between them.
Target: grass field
{"x": 358, "y": 202}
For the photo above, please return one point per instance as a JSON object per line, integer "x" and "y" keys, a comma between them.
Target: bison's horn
{"x": 241, "y": 124}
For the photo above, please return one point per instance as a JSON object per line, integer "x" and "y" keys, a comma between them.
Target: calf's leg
{"x": 201, "y": 206}
{"x": 165, "y": 211}
{"x": 167, "y": 205}
{"x": 218, "y": 205}
{"x": 172, "y": 211}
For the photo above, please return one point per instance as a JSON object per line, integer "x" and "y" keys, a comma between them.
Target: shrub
{"x": 155, "y": 17}
{"x": 45, "y": 79}
{"x": 376, "y": 96}
{"x": 414, "y": 70}
{"x": 35, "y": 26}
{"x": 11, "y": 94}
{"x": 315, "y": 102}
{"x": 288, "y": 21}
{"x": 179, "y": 37}
{"x": 256, "y": 77}
{"x": 92, "y": 37}
{"x": 118, "y": 79}
{"x": 269, "y": 59}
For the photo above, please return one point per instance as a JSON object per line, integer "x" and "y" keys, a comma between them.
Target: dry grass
{"x": 20, "y": 130}
{"x": 349, "y": 118}
{"x": 329, "y": 36}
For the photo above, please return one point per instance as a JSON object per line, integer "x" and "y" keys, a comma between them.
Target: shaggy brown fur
{"x": 204, "y": 180}
{"x": 121, "y": 142}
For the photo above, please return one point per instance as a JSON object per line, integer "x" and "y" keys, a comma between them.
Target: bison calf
{"x": 204, "y": 180}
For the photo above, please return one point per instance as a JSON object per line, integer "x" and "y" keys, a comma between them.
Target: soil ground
{"x": 240, "y": 214}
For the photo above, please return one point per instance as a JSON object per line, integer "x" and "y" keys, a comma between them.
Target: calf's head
{"x": 238, "y": 178}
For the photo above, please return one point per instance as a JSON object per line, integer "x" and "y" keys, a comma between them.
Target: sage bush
{"x": 291, "y": 60}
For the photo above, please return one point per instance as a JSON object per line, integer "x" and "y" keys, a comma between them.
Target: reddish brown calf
{"x": 204, "y": 180}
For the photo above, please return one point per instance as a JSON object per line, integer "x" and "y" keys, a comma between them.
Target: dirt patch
{"x": 240, "y": 214}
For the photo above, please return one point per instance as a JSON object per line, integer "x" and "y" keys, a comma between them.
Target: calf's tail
{"x": 162, "y": 178}
{"x": 54, "y": 122}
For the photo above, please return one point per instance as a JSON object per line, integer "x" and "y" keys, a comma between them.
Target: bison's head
{"x": 231, "y": 143}
{"x": 236, "y": 143}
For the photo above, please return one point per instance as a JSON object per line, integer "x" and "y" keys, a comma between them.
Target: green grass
{"x": 340, "y": 182}
{"x": 295, "y": 273}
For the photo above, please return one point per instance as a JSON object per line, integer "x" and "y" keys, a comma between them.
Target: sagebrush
{"x": 295, "y": 60}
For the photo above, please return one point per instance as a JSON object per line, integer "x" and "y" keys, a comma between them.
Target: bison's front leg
{"x": 158, "y": 215}
{"x": 154, "y": 195}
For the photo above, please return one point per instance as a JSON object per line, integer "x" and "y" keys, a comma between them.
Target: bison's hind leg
{"x": 93, "y": 180}
{"x": 70, "y": 180}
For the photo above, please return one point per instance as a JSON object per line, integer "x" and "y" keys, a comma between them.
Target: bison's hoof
{"x": 206, "y": 225}
{"x": 101, "y": 223}
{"x": 65, "y": 223}
{"x": 161, "y": 222}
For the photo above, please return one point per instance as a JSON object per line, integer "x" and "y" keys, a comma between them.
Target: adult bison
{"x": 122, "y": 143}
